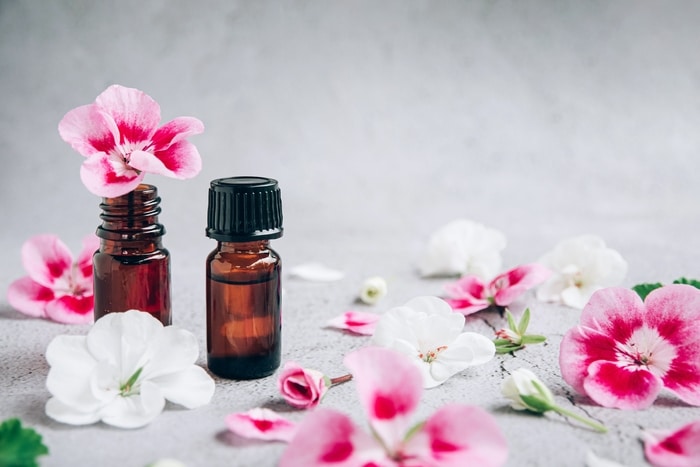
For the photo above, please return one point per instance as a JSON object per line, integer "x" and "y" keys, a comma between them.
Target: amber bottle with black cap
{"x": 243, "y": 278}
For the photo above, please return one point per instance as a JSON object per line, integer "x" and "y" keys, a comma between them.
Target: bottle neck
{"x": 244, "y": 247}
{"x": 131, "y": 220}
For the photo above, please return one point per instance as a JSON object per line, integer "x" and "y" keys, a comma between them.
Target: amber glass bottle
{"x": 243, "y": 278}
{"x": 131, "y": 268}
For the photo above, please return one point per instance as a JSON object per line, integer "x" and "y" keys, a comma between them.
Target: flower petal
{"x": 513, "y": 283}
{"x": 358, "y": 322}
{"x": 458, "y": 435}
{"x": 135, "y": 113}
{"x": 191, "y": 387}
{"x": 69, "y": 414}
{"x": 596, "y": 337}
{"x": 263, "y": 424}
{"x": 176, "y": 130}
{"x": 47, "y": 260}
{"x": 108, "y": 175}
{"x": 329, "y": 438}
{"x": 467, "y": 295}
{"x": 611, "y": 385}
{"x": 71, "y": 309}
{"x": 389, "y": 386}
{"x": 592, "y": 460}
{"x": 674, "y": 311}
{"x": 301, "y": 388}
{"x": 171, "y": 350}
{"x": 91, "y": 243}
{"x": 87, "y": 131}
{"x": 679, "y": 448}
{"x": 316, "y": 272}
{"x": 137, "y": 410}
{"x": 29, "y": 297}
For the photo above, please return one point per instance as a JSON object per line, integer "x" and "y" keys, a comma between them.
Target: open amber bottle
{"x": 131, "y": 268}
{"x": 243, "y": 278}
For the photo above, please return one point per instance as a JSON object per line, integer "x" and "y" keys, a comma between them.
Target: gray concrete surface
{"x": 382, "y": 121}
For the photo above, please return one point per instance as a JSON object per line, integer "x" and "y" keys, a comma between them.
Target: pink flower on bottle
{"x": 56, "y": 288}
{"x": 389, "y": 386}
{"x": 471, "y": 294}
{"x": 679, "y": 448}
{"x": 625, "y": 351}
{"x": 302, "y": 388}
{"x": 121, "y": 141}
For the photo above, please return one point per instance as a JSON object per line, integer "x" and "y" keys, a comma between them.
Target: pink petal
{"x": 135, "y": 113}
{"x": 47, "y": 260}
{"x": 301, "y": 388}
{"x": 467, "y": 295}
{"x": 674, "y": 310}
{"x": 680, "y": 448}
{"x": 513, "y": 283}
{"x": 176, "y": 130}
{"x": 610, "y": 316}
{"x": 358, "y": 322}
{"x": 71, "y": 309}
{"x": 182, "y": 159}
{"x": 329, "y": 438}
{"x": 91, "y": 244}
{"x": 389, "y": 386}
{"x": 86, "y": 130}
{"x": 29, "y": 297}
{"x": 262, "y": 424}
{"x": 108, "y": 175}
{"x": 628, "y": 388}
{"x": 458, "y": 435}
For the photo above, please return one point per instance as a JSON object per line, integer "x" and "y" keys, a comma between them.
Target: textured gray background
{"x": 382, "y": 121}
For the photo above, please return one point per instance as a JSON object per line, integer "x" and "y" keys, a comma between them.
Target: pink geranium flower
{"x": 57, "y": 287}
{"x": 120, "y": 138}
{"x": 302, "y": 388}
{"x": 679, "y": 448}
{"x": 625, "y": 351}
{"x": 357, "y": 322}
{"x": 390, "y": 386}
{"x": 262, "y": 424}
{"x": 471, "y": 294}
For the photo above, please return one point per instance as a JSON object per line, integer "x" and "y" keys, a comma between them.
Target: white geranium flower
{"x": 580, "y": 266}
{"x": 373, "y": 289}
{"x": 463, "y": 247}
{"x": 123, "y": 371}
{"x": 524, "y": 383}
{"x": 430, "y": 333}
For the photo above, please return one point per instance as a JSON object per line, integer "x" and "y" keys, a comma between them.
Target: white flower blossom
{"x": 430, "y": 333}
{"x": 123, "y": 371}
{"x": 580, "y": 266}
{"x": 463, "y": 247}
{"x": 373, "y": 289}
{"x": 523, "y": 382}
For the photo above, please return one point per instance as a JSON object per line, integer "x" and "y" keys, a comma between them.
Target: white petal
{"x": 576, "y": 297}
{"x": 482, "y": 348}
{"x": 316, "y": 272}
{"x": 63, "y": 413}
{"x": 191, "y": 388}
{"x": 137, "y": 410}
{"x": 173, "y": 350}
{"x": 72, "y": 367}
{"x": 594, "y": 461}
{"x": 124, "y": 339}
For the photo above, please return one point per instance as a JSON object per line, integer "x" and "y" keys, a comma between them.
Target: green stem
{"x": 595, "y": 425}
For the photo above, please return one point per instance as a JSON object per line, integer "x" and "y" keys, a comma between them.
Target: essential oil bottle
{"x": 244, "y": 278}
{"x": 131, "y": 268}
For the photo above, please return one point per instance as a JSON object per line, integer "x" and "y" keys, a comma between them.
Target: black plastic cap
{"x": 244, "y": 209}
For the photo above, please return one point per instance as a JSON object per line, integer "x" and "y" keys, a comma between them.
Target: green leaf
{"x": 533, "y": 339}
{"x": 511, "y": 321}
{"x": 645, "y": 289}
{"x": 19, "y": 447}
{"x": 695, "y": 283}
{"x": 508, "y": 348}
{"x": 524, "y": 322}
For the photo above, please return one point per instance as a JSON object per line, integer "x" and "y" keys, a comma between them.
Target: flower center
{"x": 646, "y": 348}
{"x": 573, "y": 275}
{"x": 130, "y": 387}
{"x": 431, "y": 355}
